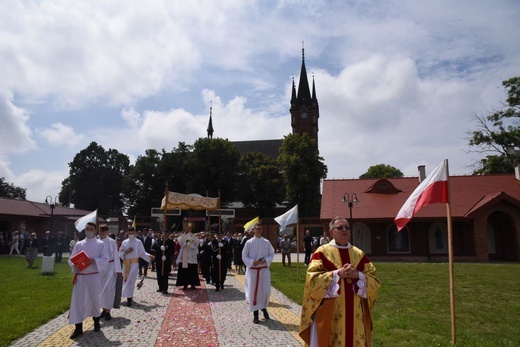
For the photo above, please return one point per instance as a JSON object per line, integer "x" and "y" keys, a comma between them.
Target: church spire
{"x": 210, "y": 125}
{"x": 313, "y": 90}
{"x": 304, "y": 93}
{"x": 304, "y": 105}
{"x": 293, "y": 94}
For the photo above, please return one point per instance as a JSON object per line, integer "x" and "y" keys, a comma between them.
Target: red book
{"x": 79, "y": 260}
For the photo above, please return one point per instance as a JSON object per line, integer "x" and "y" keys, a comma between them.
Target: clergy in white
{"x": 257, "y": 255}
{"x": 85, "y": 291}
{"x": 187, "y": 262}
{"x": 109, "y": 273}
{"x": 131, "y": 250}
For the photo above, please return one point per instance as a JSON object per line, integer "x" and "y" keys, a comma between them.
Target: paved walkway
{"x": 201, "y": 317}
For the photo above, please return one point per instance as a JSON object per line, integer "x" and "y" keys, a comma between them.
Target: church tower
{"x": 304, "y": 106}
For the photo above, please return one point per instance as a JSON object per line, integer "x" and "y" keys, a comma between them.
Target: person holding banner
{"x": 341, "y": 287}
{"x": 85, "y": 300}
{"x": 109, "y": 273}
{"x": 257, "y": 255}
{"x": 219, "y": 252}
{"x": 164, "y": 248}
{"x": 131, "y": 250}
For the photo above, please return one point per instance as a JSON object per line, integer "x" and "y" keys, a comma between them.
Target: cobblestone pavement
{"x": 201, "y": 317}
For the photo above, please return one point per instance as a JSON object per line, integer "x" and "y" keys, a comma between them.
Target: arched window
{"x": 438, "y": 238}
{"x": 398, "y": 242}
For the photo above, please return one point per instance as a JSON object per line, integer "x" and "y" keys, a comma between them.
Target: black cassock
{"x": 219, "y": 265}
{"x": 162, "y": 275}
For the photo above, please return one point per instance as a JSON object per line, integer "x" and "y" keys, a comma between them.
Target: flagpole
{"x": 298, "y": 249}
{"x": 165, "y": 214}
{"x": 219, "y": 240}
{"x": 450, "y": 262}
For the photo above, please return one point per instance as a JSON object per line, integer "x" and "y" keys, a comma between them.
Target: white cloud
{"x": 396, "y": 81}
{"x": 131, "y": 117}
{"x": 61, "y": 135}
{"x": 15, "y": 133}
{"x": 40, "y": 183}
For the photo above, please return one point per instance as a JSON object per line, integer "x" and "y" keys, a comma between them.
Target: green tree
{"x": 214, "y": 168}
{"x": 174, "y": 167}
{"x": 261, "y": 183}
{"x": 303, "y": 169}
{"x": 96, "y": 176}
{"x": 143, "y": 186}
{"x": 382, "y": 171}
{"x": 66, "y": 194}
{"x": 499, "y": 133}
{"x": 9, "y": 190}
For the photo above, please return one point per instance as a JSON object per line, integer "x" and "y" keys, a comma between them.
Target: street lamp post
{"x": 52, "y": 203}
{"x": 351, "y": 199}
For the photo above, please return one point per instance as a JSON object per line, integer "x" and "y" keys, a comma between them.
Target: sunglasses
{"x": 342, "y": 228}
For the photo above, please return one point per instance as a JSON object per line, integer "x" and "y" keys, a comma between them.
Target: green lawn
{"x": 413, "y": 307}
{"x": 29, "y": 298}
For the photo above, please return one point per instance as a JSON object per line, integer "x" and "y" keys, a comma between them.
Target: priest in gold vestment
{"x": 340, "y": 290}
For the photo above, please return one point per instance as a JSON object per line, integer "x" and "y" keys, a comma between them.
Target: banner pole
{"x": 165, "y": 211}
{"x": 219, "y": 240}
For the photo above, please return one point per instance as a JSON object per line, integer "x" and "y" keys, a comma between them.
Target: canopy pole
{"x": 219, "y": 239}
{"x": 165, "y": 213}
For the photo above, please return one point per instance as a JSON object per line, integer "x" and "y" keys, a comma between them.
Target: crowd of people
{"x": 340, "y": 290}
{"x": 101, "y": 258}
{"x": 18, "y": 242}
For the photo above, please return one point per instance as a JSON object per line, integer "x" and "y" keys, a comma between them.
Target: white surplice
{"x": 85, "y": 291}
{"x": 258, "y": 279}
{"x": 109, "y": 273}
{"x": 137, "y": 252}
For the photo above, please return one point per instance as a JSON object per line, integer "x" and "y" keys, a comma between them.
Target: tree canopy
{"x": 105, "y": 180}
{"x": 260, "y": 184}
{"x": 9, "y": 190}
{"x": 382, "y": 171}
{"x": 213, "y": 167}
{"x": 143, "y": 186}
{"x": 498, "y": 134}
{"x": 96, "y": 177}
{"x": 303, "y": 169}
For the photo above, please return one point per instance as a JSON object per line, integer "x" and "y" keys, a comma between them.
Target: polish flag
{"x": 432, "y": 190}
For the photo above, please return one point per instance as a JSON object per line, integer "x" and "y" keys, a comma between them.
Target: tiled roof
{"x": 15, "y": 207}
{"x": 268, "y": 147}
{"x": 467, "y": 194}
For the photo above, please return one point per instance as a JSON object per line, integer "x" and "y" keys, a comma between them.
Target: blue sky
{"x": 397, "y": 81}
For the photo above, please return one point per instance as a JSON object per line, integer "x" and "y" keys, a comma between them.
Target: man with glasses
{"x": 340, "y": 289}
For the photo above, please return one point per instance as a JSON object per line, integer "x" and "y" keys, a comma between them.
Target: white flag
{"x": 289, "y": 217}
{"x": 81, "y": 223}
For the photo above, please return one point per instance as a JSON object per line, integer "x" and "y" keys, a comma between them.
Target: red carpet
{"x": 188, "y": 320}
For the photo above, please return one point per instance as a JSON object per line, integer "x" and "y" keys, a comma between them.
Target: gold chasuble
{"x": 344, "y": 320}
